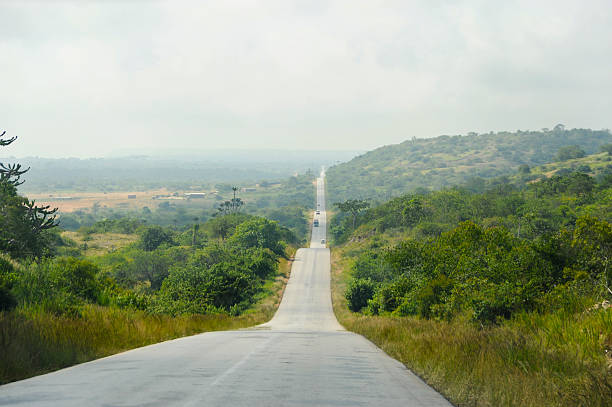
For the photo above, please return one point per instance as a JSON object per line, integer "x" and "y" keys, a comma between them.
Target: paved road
{"x": 302, "y": 357}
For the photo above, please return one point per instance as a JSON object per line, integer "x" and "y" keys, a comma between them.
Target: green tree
{"x": 353, "y": 206}
{"x": 524, "y": 169}
{"x": 358, "y": 293}
{"x": 150, "y": 266}
{"x": 606, "y": 148}
{"x": 23, "y": 224}
{"x": 569, "y": 152}
{"x": 154, "y": 236}
{"x": 259, "y": 232}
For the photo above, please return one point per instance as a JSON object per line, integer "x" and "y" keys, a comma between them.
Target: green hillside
{"x": 593, "y": 164}
{"x": 452, "y": 160}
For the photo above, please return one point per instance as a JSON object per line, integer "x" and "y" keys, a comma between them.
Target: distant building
{"x": 64, "y": 198}
{"x": 249, "y": 189}
{"x": 132, "y": 196}
{"x": 195, "y": 195}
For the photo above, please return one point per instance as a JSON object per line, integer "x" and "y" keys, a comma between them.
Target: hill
{"x": 593, "y": 165}
{"x": 452, "y": 160}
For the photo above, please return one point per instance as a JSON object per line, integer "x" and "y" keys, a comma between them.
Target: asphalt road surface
{"x": 302, "y": 357}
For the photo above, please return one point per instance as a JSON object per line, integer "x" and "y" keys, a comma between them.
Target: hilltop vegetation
{"x": 498, "y": 295}
{"x": 445, "y": 161}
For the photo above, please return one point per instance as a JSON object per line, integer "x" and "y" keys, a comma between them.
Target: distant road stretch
{"x": 302, "y": 357}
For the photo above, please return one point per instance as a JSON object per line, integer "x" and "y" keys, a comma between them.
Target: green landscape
{"x": 446, "y": 161}
{"x": 306, "y": 203}
{"x": 496, "y": 291}
{"x": 494, "y": 287}
{"x": 69, "y": 297}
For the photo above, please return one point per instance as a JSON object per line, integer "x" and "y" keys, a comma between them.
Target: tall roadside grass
{"x": 34, "y": 341}
{"x": 555, "y": 359}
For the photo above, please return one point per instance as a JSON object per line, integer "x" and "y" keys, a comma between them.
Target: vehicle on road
{"x": 318, "y": 212}
{"x": 316, "y": 223}
{"x": 322, "y": 241}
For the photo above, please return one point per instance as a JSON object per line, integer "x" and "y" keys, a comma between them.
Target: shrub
{"x": 75, "y": 276}
{"x": 569, "y": 152}
{"x": 432, "y": 293}
{"x": 153, "y": 237}
{"x": 8, "y": 301}
{"x": 358, "y": 293}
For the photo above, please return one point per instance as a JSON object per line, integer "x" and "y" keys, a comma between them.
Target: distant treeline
{"x": 142, "y": 173}
{"x": 445, "y": 161}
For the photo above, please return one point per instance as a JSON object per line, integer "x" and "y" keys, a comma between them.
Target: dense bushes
{"x": 155, "y": 274}
{"x": 488, "y": 272}
{"x": 488, "y": 255}
{"x": 358, "y": 293}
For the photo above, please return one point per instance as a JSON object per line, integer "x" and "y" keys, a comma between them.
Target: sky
{"x": 98, "y": 78}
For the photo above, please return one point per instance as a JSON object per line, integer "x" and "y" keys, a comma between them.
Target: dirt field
{"x": 70, "y": 202}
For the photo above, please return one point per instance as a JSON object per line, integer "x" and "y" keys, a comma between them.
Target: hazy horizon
{"x": 90, "y": 79}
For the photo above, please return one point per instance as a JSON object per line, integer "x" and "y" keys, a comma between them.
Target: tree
{"x": 606, "y": 148}
{"x": 353, "y": 206}
{"x": 569, "y": 152}
{"x": 233, "y": 206}
{"x": 149, "y": 266}
{"x": 413, "y": 212}
{"x": 23, "y": 224}
{"x": 592, "y": 241}
{"x": 524, "y": 169}
{"x": 154, "y": 236}
{"x": 259, "y": 232}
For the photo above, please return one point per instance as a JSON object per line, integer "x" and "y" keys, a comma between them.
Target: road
{"x": 302, "y": 357}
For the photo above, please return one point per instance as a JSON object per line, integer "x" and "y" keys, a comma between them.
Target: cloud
{"x": 82, "y": 78}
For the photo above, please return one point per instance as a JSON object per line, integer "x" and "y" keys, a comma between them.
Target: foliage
{"x": 153, "y": 237}
{"x": 352, "y": 206}
{"x": 259, "y": 232}
{"x": 569, "y": 152}
{"x": 23, "y": 224}
{"x": 441, "y": 162}
{"x": 606, "y": 148}
{"x": 358, "y": 293}
{"x": 555, "y": 357}
{"x": 488, "y": 255}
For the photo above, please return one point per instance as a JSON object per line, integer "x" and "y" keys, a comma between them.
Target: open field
{"x": 69, "y": 202}
{"x": 96, "y": 244}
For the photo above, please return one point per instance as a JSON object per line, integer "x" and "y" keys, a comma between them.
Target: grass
{"x": 597, "y": 162}
{"x": 533, "y": 360}
{"x": 34, "y": 342}
{"x": 100, "y": 243}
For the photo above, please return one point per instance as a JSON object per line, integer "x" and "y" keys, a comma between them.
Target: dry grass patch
{"x": 98, "y": 244}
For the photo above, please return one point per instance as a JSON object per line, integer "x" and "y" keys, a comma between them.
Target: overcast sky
{"x": 89, "y": 78}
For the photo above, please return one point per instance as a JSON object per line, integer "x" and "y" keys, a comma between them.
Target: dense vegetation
{"x": 451, "y": 160}
{"x": 24, "y": 226}
{"x": 219, "y": 270}
{"x": 503, "y": 285}
{"x": 286, "y": 202}
{"x": 62, "y": 303}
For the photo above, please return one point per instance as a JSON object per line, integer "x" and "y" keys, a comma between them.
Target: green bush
{"x": 358, "y": 293}
{"x": 432, "y": 294}
{"x": 153, "y": 237}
